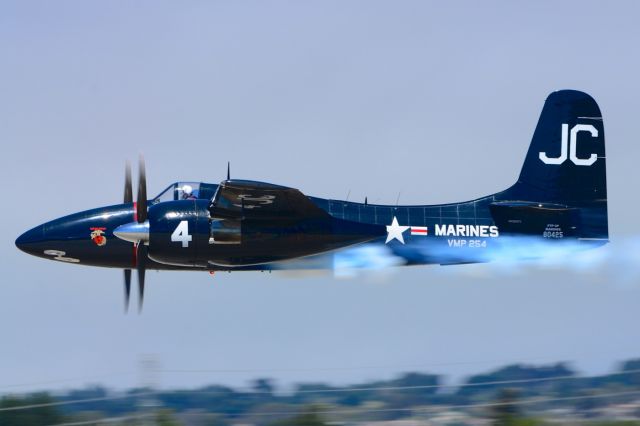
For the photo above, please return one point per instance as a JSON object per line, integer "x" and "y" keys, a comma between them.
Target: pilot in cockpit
{"x": 187, "y": 193}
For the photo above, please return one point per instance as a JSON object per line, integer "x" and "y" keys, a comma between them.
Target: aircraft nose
{"x": 28, "y": 241}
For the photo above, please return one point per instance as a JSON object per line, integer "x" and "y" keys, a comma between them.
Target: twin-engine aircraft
{"x": 558, "y": 202}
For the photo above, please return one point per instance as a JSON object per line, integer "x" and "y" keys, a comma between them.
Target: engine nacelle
{"x": 179, "y": 232}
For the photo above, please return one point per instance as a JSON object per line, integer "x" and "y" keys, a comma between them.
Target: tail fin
{"x": 566, "y": 162}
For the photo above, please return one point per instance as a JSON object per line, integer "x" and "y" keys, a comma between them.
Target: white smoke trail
{"x": 619, "y": 260}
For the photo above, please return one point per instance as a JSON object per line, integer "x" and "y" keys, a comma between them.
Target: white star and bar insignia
{"x": 395, "y": 231}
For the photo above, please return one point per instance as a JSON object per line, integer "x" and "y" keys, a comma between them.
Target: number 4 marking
{"x": 181, "y": 234}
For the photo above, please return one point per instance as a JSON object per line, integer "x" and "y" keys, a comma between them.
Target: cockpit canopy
{"x": 179, "y": 191}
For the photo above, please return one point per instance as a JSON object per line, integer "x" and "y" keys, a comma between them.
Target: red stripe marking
{"x": 419, "y": 230}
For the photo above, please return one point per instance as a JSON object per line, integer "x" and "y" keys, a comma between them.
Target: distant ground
{"x": 512, "y": 395}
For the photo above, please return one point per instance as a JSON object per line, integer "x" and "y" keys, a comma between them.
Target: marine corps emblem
{"x": 97, "y": 236}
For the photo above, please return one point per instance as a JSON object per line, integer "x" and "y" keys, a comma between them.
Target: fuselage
{"x": 480, "y": 230}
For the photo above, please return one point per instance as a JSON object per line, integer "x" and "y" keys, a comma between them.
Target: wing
{"x": 243, "y": 199}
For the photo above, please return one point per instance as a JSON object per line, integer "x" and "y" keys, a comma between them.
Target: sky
{"x": 436, "y": 101}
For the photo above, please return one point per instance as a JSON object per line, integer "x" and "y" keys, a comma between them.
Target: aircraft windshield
{"x": 179, "y": 191}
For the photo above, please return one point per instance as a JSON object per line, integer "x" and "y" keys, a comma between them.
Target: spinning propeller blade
{"x": 142, "y": 258}
{"x": 142, "y": 193}
{"x": 127, "y": 288}
{"x": 128, "y": 198}
{"x": 142, "y": 217}
{"x": 128, "y": 191}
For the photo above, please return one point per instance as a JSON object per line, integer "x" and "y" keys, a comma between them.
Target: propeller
{"x": 141, "y": 205}
{"x": 142, "y": 192}
{"x": 140, "y": 247}
{"x": 127, "y": 288}
{"x": 142, "y": 260}
{"x": 128, "y": 198}
{"x": 128, "y": 191}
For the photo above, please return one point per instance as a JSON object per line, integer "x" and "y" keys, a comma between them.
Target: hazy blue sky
{"x": 437, "y": 100}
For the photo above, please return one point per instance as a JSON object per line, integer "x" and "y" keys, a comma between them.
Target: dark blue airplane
{"x": 558, "y": 203}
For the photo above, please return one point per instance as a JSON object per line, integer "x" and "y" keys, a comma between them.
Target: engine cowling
{"x": 179, "y": 232}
